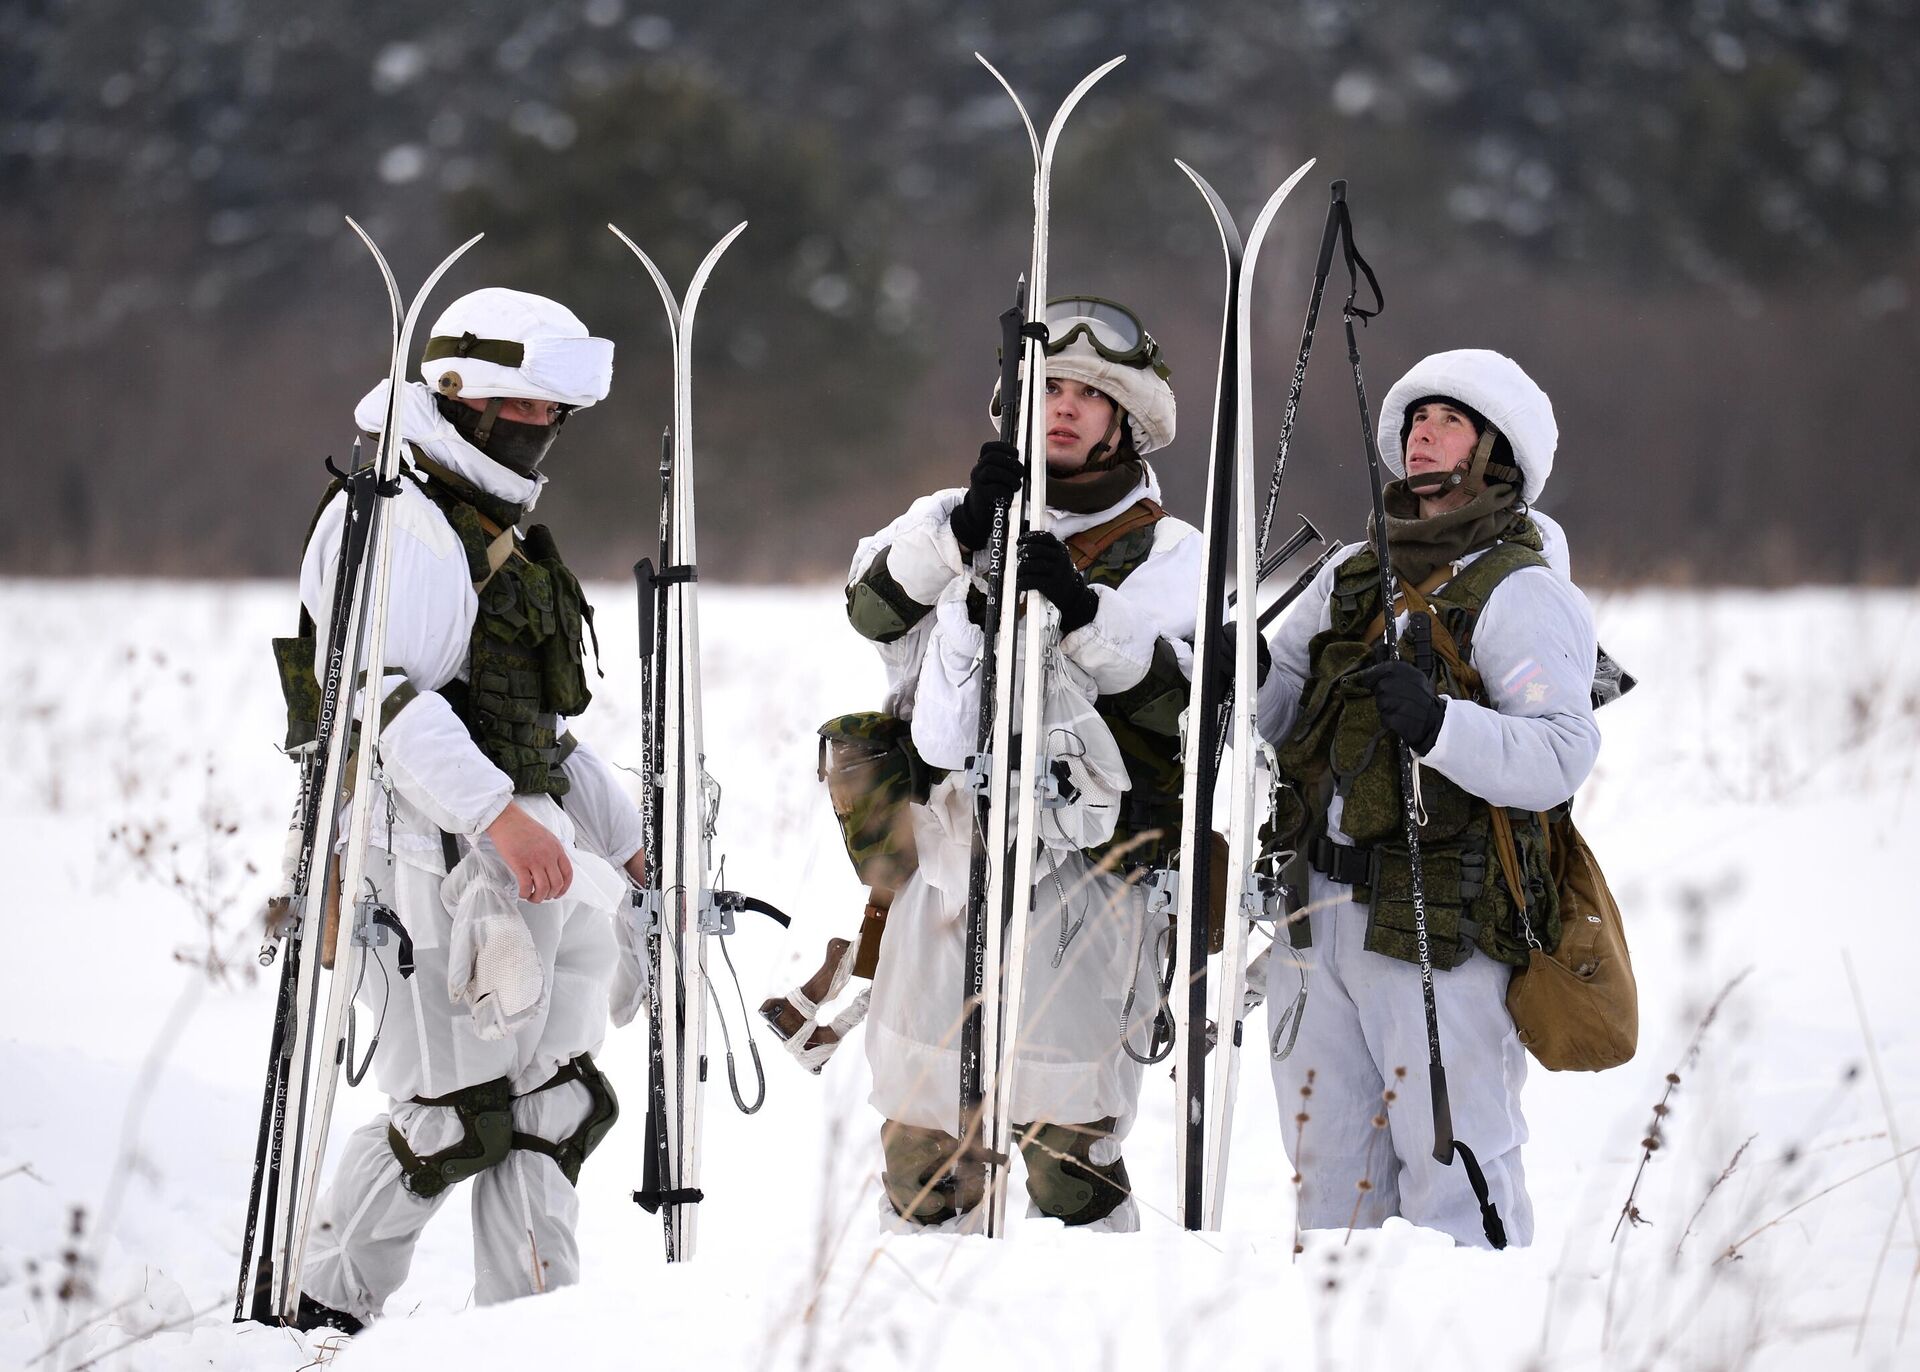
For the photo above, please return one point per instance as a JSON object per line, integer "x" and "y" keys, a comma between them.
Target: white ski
{"x": 315, "y": 1048}
{"x": 1010, "y": 893}
{"x": 682, "y": 908}
{"x": 1204, "y": 1125}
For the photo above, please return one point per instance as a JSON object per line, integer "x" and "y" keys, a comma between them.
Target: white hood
{"x": 1496, "y": 387}
{"x": 421, "y": 422}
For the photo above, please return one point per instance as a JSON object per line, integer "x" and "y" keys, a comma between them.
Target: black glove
{"x": 1224, "y": 646}
{"x": 996, "y": 478}
{"x": 1408, "y": 703}
{"x": 1047, "y": 567}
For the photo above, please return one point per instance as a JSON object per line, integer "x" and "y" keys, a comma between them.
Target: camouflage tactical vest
{"x": 873, "y": 771}
{"x": 1339, "y": 745}
{"x": 525, "y": 659}
{"x": 1145, "y": 722}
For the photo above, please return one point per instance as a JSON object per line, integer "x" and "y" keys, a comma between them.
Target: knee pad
{"x": 486, "y": 1119}
{"x": 571, "y": 1152}
{"x": 1063, "y": 1180}
{"x": 920, "y": 1178}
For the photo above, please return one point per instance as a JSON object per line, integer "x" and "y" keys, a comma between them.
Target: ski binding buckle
{"x": 717, "y": 909}
{"x": 1163, "y": 890}
{"x": 645, "y": 905}
{"x": 374, "y": 923}
{"x": 1055, "y": 785}
{"x": 979, "y": 770}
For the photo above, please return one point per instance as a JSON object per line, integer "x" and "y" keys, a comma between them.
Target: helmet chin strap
{"x": 484, "y": 430}
{"x": 1104, "y": 448}
{"x": 1473, "y": 478}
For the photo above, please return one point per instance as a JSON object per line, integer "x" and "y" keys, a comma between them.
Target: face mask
{"x": 515, "y": 446}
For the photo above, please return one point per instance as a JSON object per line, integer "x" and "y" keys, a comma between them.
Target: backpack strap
{"x": 1409, "y": 595}
{"x": 1087, "y": 545}
{"x": 500, "y": 546}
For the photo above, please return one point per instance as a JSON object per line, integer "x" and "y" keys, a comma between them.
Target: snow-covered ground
{"x": 1747, "y": 807}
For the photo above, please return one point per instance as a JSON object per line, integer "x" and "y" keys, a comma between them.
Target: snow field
{"x": 1748, "y": 807}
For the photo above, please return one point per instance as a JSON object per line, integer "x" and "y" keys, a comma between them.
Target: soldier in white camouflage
{"x": 1125, "y": 578}
{"x": 1471, "y": 439}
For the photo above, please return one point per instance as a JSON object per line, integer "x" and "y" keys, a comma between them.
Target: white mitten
{"x": 492, "y": 966}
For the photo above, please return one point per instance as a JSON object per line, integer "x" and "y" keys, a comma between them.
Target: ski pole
{"x": 1300, "y": 584}
{"x": 977, "y": 1152}
{"x": 1445, "y": 1145}
{"x": 1307, "y": 533}
{"x": 1321, "y": 267}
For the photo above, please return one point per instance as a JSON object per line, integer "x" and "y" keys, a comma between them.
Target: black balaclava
{"x": 515, "y": 446}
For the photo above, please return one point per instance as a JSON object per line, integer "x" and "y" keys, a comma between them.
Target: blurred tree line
{"x": 1694, "y": 221}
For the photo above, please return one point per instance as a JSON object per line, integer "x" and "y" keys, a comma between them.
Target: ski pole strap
{"x": 1356, "y": 264}
{"x": 1490, "y": 1222}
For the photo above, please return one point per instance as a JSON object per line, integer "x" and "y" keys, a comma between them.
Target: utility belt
{"x": 488, "y": 1135}
{"x": 1463, "y": 874}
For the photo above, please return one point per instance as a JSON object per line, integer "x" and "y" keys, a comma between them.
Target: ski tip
{"x": 1340, "y": 189}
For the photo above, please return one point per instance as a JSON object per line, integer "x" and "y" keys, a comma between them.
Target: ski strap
{"x": 1087, "y": 545}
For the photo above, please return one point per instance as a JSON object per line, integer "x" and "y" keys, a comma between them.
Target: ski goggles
{"x": 1111, "y": 329}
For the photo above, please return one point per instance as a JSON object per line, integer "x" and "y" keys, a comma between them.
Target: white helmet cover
{"x": 504, "y": 342}
{"x": 1142, "y": 392}
{"x": 1496, "y": 387}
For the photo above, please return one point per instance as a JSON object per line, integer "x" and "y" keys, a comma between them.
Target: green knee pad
{"x": 486, "y": 1115}
{"x": 921, "y": 1181}
{"x": 569, "y": 1153}
{"x": 1062, "y": 1179}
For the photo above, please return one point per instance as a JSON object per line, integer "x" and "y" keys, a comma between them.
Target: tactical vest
{"x": 1339, "y": 745}
{"x": 525, "y": 659}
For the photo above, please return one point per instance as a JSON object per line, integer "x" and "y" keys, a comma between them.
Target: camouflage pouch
{"x": 299, "y": 687}
{"x": 1454, "y": 879}
{"x": 873, "y": 774}
{"x": 568, "y": 617}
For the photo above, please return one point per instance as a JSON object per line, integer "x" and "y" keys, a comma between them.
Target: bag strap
{"x": 1410, "y": 595}
{"x": 1087, "y": 545}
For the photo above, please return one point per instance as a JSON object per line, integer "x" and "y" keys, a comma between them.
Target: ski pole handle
{"x": 1012, "y": 321}
{"x": 1331, "y": 233}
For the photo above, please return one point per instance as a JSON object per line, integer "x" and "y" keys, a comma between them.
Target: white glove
{"x": 492, "y": 966}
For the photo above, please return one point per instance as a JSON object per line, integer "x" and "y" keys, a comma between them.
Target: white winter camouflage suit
{"x": 1531, "y": 748}
{"x": 367, "y": 1222}
{"x": 1071, "y": 1067}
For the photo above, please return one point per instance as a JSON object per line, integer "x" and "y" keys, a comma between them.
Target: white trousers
{"x": 1363, "y": 1022}
{"x": 524, "y": 1211}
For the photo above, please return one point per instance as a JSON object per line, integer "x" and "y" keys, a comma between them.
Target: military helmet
{"x": 1488, "y": 386}
{"x": 1101, "y": 344}
{"x": 500, "y": 342}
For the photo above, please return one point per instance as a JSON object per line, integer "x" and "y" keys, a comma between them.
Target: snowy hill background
{"x": 1750, "y": 809}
